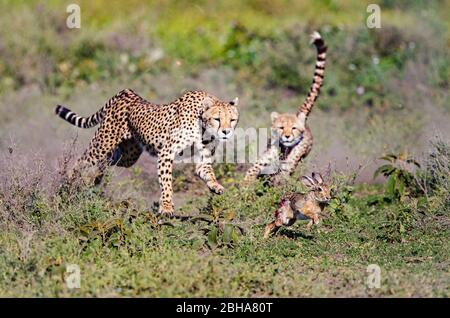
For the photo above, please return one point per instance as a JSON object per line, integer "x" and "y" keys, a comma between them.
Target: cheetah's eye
{"x": 216, "y": 119}
{"x": 281, "y": 127}
{"x": 233, "y": 120}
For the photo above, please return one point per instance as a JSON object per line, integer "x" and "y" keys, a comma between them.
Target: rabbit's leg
{"x": 316, "y": 219}
{"x": 272, "y": 227}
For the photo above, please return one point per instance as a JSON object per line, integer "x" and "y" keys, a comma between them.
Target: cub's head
{"x": 220, "y": 118}
{"x": 288, "y": 128}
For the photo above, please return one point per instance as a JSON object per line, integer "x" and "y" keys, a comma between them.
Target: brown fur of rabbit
{"x": 299, "y": 206}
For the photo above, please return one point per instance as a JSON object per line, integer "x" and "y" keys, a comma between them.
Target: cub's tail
{"x": 317, "y": 82}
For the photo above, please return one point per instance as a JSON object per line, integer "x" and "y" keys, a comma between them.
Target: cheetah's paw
{"x": 166, "y": 209}
{"x": 216, "y": 188}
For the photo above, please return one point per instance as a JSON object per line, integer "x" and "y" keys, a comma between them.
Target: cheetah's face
{"x": 220, "y": 119}
{"x": 288, "y": 128}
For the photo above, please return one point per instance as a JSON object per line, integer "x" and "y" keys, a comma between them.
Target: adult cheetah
{"x": 291, "y": 136}
{"x": 130, "y": 124}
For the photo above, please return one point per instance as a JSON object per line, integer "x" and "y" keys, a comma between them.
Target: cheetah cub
{"x": 129, "y": 124}
{"x": 291, "y": 137}
{"x": 298, "y": 206}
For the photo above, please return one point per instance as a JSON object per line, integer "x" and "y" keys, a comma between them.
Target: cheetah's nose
{"x": 226, "y": 131}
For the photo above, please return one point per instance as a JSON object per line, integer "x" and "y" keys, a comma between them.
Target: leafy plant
{"x": 223, "y": 234}
{"x": 395, "y": 224}
{"x": 221, "y": 229}
{"x": 340, "y": 199}
{"x": 434, "y": 179}
{"x": 113, "y": 231}
{"x": 400, "y": 180}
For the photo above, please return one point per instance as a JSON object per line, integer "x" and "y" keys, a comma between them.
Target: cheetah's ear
{"x": 302, "y": 116}
{"x": 274, "y": 116}
{"x": 208, "y": 102}
{"x": 308, "y": 182}
{"x": 235, "y": 102}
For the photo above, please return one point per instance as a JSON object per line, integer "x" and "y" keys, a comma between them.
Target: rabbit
{"x": 299, "y": 206}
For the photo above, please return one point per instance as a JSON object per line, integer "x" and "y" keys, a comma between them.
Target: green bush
{"x": 400, "y": 180}
{"x": 435, "y": 178}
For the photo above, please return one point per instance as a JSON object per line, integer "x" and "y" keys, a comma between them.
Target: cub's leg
{"x": 268, "y": 158}
{"x": 205, "y": 171}
{"x": 299, "y": 152}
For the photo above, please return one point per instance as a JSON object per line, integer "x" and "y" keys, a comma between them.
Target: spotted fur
{"x": 129, "y": 124}
{"x": 291, "y": 136}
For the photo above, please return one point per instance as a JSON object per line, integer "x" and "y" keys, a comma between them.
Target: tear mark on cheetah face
{"x": 288, "y": 129}
{"x": 220, "y": 118}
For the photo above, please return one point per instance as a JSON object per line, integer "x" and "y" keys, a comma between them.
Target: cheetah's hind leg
{"x": 126, "y": 154}
{"x": 99, "y": 153}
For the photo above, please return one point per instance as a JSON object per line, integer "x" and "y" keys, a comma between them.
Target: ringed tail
{"x": 94, "y": 119}
{"x": 79, "y": 121}
{"x": 317, "y": 82}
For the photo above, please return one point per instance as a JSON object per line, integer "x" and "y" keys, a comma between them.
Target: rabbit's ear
{"x": 307, "y": 181}
{"x": 317, "y": 177}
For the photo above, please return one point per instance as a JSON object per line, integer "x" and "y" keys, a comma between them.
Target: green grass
{"x": 122, "y": 250}
{"x": 146, "y": 260}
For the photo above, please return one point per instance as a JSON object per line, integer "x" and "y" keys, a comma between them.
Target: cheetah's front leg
{"x": 165, "y": 166}
{"x": 261, "y": 166}
{"x": 205, "y": 171}
{"x": 288, "y": 166}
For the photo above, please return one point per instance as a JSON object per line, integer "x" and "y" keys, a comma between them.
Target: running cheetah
{"x": 130, "y": 124}
{"x": 291, "y": 136}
